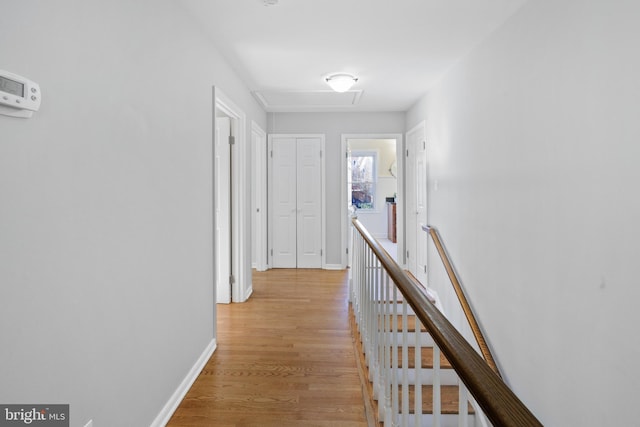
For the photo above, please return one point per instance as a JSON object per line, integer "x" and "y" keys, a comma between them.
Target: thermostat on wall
{"x": 19, "y": 96}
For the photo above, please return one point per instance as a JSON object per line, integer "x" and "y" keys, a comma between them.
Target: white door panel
{"x": 416, "y": 215}
{"x": 421, "y": 208}
{"x": 412, "y": 238}
{"x": 284, "y": 202}
{"x": 309, "y": 203}
{"x": 259, "y": 198}
{"x": 284, "y": 243}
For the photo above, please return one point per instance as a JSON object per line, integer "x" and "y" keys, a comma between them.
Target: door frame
{"x": 221, "y": 206}
{"x": 323, "y": 191}
{"x": 344, "y": 208}
{"x": 241, "y": 287}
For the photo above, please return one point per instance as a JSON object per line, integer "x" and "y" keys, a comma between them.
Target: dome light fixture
{"x": 341, "y": 82}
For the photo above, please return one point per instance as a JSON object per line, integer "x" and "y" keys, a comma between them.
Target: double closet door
{"x": 296, "y": 200}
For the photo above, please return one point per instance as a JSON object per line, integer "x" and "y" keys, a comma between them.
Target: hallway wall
{"x": 106, "y": 277}
{"x": 533, "y": 150}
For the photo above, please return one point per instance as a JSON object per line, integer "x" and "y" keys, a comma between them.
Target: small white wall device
{"x": 19, "y": 96}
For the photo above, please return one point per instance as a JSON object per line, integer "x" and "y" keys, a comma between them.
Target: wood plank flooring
{"x": 284, "y": 358}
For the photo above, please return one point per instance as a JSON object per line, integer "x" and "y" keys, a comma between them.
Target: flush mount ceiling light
{"x": 270, "y": 2}
{"x": 341, "y": 82}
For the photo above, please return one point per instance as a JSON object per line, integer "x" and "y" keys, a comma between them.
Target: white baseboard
{"x": 333, "y": 267}
{"x": 174, "y": 401}
{"x": 248, "y": 293}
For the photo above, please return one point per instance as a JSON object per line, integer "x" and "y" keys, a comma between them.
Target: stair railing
{"x": 383, "y": 298}
{"x": 462, "y": 298}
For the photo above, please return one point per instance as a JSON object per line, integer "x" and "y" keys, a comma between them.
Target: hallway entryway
{"x": 231, "y": 202}
{"x": 372, "y": 185}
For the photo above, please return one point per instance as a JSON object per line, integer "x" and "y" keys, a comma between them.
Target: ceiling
{"x": 396, "y": 48}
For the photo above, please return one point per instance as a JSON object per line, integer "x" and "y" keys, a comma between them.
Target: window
{"x": 363, "y": 179}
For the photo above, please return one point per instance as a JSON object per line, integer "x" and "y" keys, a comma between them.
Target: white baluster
{"x": 367, "y": 281}
{"x": 418, "y": 374}
{"x": 463, "y": 405}
{"x": 370, "y": 327}
{"x": 375, "y": 324}
{"x": 385, "y": 405}
{"x": 405, "y": 363}
{"x": 358, "y": 314}
{"x": 437, "y": 418}
{"x": 394, "y": 352}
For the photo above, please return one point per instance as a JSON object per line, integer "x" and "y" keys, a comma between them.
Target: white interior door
{"x": 284, "y": 203}
{"x": 259, "y": 199}
{"x": 309, "y": 202}
{"x": 421, "y": 206}
{"x": 416, "y": 202}
{"x": 296, "y": 201}
{"x": 411, "y": 237}
{"x": 222, "y": 209}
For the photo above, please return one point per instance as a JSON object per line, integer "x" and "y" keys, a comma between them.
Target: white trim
{"x": 310, "y": 108}
{"x": 248, "y": 292}
{"x": 333, "y": 267}
{"x": 324, "y": 202}
{"x": 241, "y": 266}
{"x": 343, "y": 187}
{"x": 174, "y": 401}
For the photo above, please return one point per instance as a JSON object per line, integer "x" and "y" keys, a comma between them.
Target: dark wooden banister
{"x": 466, "y": 308}
{"x": 501, "y": 406}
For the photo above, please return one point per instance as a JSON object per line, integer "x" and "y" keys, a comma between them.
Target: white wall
{"x": 533, "y": 141}
{"x": 106, "y": 280}
{"x": 333, "y": 125}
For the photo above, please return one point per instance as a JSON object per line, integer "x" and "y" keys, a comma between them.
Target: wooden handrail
{"x": 501, "y": 406}
{"x": 466, "y": 308}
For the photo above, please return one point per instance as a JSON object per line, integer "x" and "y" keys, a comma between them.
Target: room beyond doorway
{"x": 372, "y": 187}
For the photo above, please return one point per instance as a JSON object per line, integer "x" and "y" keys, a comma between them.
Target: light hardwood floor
{"x": 284, "y": 358}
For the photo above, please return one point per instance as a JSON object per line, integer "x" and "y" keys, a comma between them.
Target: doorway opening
{"x": 231, "y": 200}
{"x": 372, "y": 189}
